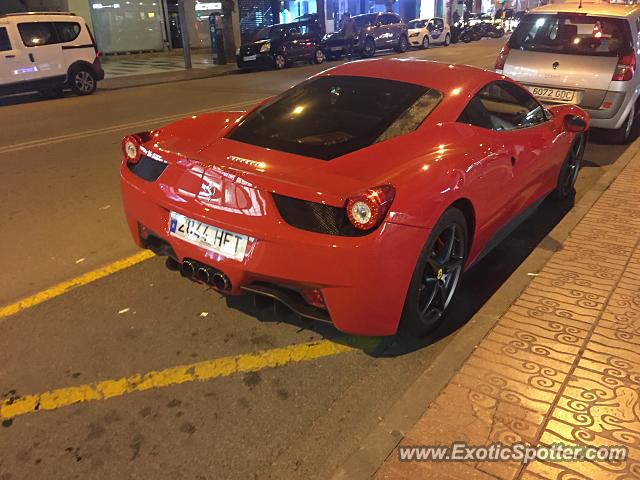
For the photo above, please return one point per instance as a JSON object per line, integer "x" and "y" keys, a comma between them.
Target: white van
{"x": 47, "y": 52}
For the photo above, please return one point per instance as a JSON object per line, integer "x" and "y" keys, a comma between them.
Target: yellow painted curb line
{"x": 201, "y": 371}
{"x": 63, "y": 287}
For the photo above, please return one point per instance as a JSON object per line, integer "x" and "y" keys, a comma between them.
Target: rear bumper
{"x": 97, "y": 68}
{"x": 262, "y": 60}
{"x": 607, "y": 109}
{"x": 363, "y": 280}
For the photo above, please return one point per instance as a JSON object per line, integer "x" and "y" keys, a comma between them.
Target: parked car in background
{"x": 278, "y": 46}
{"x": 387, "y": 169}
{"x": 583, "y": 55}
{"x": 424, "y": 32}
{"x": 47, "y": 52}
{"x": 375, "y": 31}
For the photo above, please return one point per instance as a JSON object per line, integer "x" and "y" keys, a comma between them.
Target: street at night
{"x": 112, "y": 365}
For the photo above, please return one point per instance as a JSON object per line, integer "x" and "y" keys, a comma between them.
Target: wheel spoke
{"x": 450, "y": 243}
{"x": 423, "y": 292}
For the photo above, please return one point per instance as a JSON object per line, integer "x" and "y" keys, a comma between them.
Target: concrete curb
{"x": 387, "y": 434}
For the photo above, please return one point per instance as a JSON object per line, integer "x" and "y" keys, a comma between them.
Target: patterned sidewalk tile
{"x": 561, "y": 365}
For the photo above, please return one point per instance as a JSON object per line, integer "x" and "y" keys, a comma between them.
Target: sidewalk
{"x": 561, "y": 365}
{"x": 123, "y": 71}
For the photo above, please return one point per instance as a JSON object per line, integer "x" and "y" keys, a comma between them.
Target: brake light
{"x": 131, "y": 148}
{"x": 367, "y": 210}
{"x": 626, "y": 67}
{"x": 502, "y": 58}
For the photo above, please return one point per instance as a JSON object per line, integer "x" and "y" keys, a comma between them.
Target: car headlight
{"x": 265, "y": 47}
{"x": 414, "y": 34}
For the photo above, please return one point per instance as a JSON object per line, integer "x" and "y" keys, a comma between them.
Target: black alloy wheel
{"x": 570, "y": 168}
{"x": 436, "y": 275}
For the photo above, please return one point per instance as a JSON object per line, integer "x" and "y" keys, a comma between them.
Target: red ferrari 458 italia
{"x": 357, "y": 197}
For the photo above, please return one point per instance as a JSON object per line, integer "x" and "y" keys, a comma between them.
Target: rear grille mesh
{"x": 147, "y": 168}
{"x": 316, "y": 217}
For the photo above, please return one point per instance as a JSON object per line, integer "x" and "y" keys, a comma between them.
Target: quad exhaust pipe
{"x": 205, "y": 274}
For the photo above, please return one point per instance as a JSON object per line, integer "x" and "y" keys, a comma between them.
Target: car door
{"x": 383, "y": 33}
{"x": 533, "y": 142}
{"x": 437, "y": 30}
{"x": 16, "y": 66}
{"x": 40, "y": 41}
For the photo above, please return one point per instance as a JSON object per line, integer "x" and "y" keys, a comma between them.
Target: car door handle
{"x": 9, "y": 56}
{"x": 31, "y": 57}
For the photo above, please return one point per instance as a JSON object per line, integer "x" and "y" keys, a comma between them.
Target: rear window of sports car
{"x": 330, "y": 116}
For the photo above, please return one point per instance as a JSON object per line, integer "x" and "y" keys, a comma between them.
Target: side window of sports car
{"x": 503, "y": 106}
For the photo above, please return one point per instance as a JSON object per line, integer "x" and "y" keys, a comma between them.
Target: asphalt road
{"x": 262, "y": 403}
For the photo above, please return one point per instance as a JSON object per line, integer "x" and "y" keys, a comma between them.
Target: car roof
{"x": 35, "y": 15}
{"x": 442, "y": 76}
{"x": 607, "y": 9}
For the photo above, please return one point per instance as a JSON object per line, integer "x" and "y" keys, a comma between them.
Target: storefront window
{"x": 292, "y": 9}
{"x": 127, "y": 25}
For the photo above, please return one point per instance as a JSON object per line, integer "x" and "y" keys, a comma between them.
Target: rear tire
{"x": 447, "y": 40}
{"x": 625, "y": 133}
{"x": 565, "y": 187}
{"x": 279, "y": 61}
{"x": 436, "y": 275}
{"x": 425, "y": 42}
{"x": 403, "y": 44}
{"x": 82, "y": 80}
{"x": 369, "y": 48}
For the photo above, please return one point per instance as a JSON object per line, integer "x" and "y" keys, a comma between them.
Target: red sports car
{"x": 357, "y": 197}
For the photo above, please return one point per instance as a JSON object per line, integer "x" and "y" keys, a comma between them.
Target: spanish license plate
{"x": 248, "y": 58}
{"x": 335, "y": 49}
{"x": 554, "y": 94}
{"x": 228, "y": 244}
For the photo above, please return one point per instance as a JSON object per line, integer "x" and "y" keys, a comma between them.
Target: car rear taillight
{"x": 626, "y": 67}
{"x": 502, "y": 58}
{"x": 131, "y": 148}
{"x": 367, "y": 210}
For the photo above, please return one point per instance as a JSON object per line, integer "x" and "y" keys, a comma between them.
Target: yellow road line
{"x": 63, "y": 287}
{"x": 200, "y": 371}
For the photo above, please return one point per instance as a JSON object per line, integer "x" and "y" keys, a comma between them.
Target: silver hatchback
{"x": 580, "y": 54}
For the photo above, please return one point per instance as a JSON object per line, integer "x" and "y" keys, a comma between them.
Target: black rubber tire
{"x": 626, "y": 133}
{"x": 565, "y": 186}
{"x": 447, "y": 40}
{"x": 411, "y": 322}
{"x": 403, "y": 44}
{"x": 319, "y": 56}
{"x": 82, "y": 80}
{"x": 279, "y": 61}
{"x": 368, "y": 49}
{"x": 425, "y": 42}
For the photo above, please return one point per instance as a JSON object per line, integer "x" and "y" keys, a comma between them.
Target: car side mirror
{"x": 574, "y": 123}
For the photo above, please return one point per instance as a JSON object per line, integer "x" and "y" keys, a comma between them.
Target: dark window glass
{"x": 503, "y": 106}
{"x": 67, "y": 31}
{"x": 416, "y": 24}
{"x": 267, "y": 33}
{"x": 331, "y": 116}
{"x": 365, "y": 20}
{"x": 36, "y": 34}
{"x": 5, "y": 44}
{"x": 439, "y": 23}
{"x": 572, "y": 34}
{"x": 386, "y": 19}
